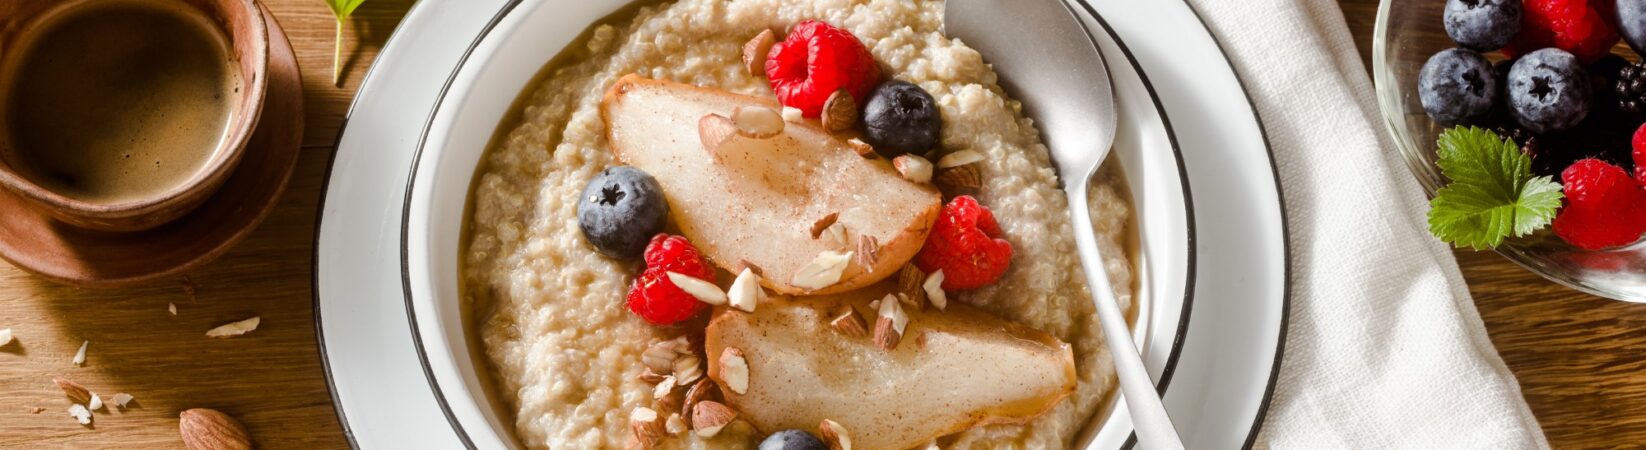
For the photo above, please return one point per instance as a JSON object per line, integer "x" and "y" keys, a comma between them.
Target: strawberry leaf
{"x": 343, "y": 8}
{"x": 1492, "y": 195}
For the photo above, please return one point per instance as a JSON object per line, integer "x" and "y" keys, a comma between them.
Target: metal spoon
{"x": 1048, "y": 60}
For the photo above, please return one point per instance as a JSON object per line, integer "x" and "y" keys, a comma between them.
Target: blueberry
{"x": 792, "y": 440}
{"x": 620, "y": 210}
{"x": 900, "y": 117}
{"x": 1631, "y": 23}
{"x": 1548, "y": 91}
{"x": 1457, "y": 86}
{"x": 1483, "y": 25}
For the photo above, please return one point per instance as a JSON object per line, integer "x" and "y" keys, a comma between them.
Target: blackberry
{"x": 1521, "y": 136}
{"x": 1630, "y": 88}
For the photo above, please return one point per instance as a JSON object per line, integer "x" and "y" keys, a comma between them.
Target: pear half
{"x": 955, "y": 369}
{"x": 755, "y": 201}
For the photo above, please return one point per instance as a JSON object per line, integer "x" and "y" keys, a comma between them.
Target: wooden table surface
{"x": 1581, "y": 360}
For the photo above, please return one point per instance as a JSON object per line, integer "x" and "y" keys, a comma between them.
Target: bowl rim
{"x": 1108, "y": 409}
{"x": 225, "y": 156}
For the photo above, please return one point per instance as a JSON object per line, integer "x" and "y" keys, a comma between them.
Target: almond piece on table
{"x": 757, "y": 122}
{"x": 703, "y": 291}
{"x": 839, "y": 111}
{"x": 75, "y": 392}
{"x": 80, "y": 355}
{"x": 967, "y": 177}
{"x": 734, "y": 370}
{"x": 934, "y": 290}
{"x": 96, "y": 402}
{"x": 823, "y": 224}
{"x": 709, "y": 417}
{"x": 834, "y": 435}
{"x": 823, "y": 271}
{"x": 207, "y": 429}
{"x": 756, "y": 50}
{"x": 81, "y": 414}
{"x": 121, "y": 399}
{"x": 233, "y": 329}
{"x": 5, "y": 337}
{"x": 913, "y": 168}
{"x": 890, "y": 323}
{"x": 745, "y": 293}
{"x": 847, "y": 322}
{"x": 647, "y": 427}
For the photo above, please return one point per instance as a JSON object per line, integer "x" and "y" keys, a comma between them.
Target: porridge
{"x": 569, "y": 356}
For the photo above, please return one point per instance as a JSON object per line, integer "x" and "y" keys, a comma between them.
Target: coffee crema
{"x": 118, "y": 101}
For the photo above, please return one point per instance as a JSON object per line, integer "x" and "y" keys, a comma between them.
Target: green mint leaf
{"x": 343, "y": 8}
{"x": 1492, "y": 195}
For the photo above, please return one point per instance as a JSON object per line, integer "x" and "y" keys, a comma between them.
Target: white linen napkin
{"x": 1385, "y": 348}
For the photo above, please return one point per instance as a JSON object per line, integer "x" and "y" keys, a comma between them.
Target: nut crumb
{"x": 734, "y": 370}
{"x": 121, "y": 400}
{"x": 913, "y": 168}
{"x": 823, "y": 224}
{"x": 233, "y": 329}
{"x": 5, "y": 336}
{"x": 80, "y": 356}
{"x": 80, "y": 414}
{"x": 36, "y": 410}
{"x": 862, "y": 148}
{"x": 172, "y": 308}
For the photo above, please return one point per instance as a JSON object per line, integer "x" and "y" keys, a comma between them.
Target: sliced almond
{"x": 713, "y": 130}
{"x": 734, "y": 370}
{"x": 699, "y": 392}
{"x": 663, "y": 388}
{"x": 651, "y": 376}
{"x": 171, "y": 308}
{"x": 959, "y": 158}
{"x": 834, "y": 435}
{"x": 793, "y": 114}
{"x": 703, "y": 291}
{"x": 80, "y": 355}
{"x": 687, "y": 369}
{"x": 889, "y": 324}
{"x": 75, "y": 392}
{"x": 675, "y": 424}
{"x": 755, "y": 51}
{"x": 962, "y": 178}
{"x": 839, "y": 111}
{"x": 757, "y": 122}
{"x": 660, "y": 356}
{"x": 909, "y": 281}
{"x": 913, "y": 168}
{"x": 847, "y": 322}
{"x": 862, "y": 148}
{"x": 236, "y": 328}
{"x": 647, "y": 427}
{"x": 823, "y": 224}
{"x": 934, "y": 290}
{"x": 708, "y": 417}
{"x": 121, "y": 400}
{"x": 868, "y": 251}
{"x": 745, "y": 293}
{"x": 823, "y": 271}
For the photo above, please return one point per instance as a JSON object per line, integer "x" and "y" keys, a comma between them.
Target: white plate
{"x": 375, "y": 374}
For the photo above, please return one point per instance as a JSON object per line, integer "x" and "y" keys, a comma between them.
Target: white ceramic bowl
{"x": 505, "y": 59}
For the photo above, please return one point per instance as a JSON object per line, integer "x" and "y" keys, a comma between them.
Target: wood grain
{"x": 1581, "y": 360}
{"x": 270, "y": 379}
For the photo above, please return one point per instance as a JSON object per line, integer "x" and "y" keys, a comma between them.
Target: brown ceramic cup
{"x": 242, "y": 26}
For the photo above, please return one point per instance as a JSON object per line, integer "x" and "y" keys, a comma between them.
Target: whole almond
{"x": 755, "y": 51}
{"x": 709, "y": 417}
{"x": 208, "y": 429}
{"x": 961, "y": 178}
{"x": 76, "y": 393}
{"x": 839, "y": 111}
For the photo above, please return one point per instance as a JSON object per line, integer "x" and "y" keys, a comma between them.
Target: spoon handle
{"x": 1154, "y": 427}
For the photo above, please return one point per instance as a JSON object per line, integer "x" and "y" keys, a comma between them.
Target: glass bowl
{"x": 1406, "y": 34}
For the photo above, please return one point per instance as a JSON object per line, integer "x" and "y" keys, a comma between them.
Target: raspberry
{"x": 1571, "y": 25}
{"x": 1604, "y": 206}
{"x": 965, "y": 244}
{"x": 1638, "y": 144}
{"x": 656, "y": 299}
{"x": 817, "y": 59}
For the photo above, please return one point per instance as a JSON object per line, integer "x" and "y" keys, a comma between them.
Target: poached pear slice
{"x": 754, "y": 201}
{"x": 955, "y": 369}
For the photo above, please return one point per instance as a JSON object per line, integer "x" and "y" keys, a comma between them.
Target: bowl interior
{"x": 1407, "y": 33}
{"x": 506, "y": 60}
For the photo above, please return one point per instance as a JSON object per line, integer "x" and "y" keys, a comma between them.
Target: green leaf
{"x": 1492, "y": 195}
{"x": 343, "y": 8}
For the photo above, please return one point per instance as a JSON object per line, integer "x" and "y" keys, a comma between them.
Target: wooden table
{"x": 1581, "y": 360}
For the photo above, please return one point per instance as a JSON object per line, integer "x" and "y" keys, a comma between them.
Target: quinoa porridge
{"x": 566, "y": 352}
